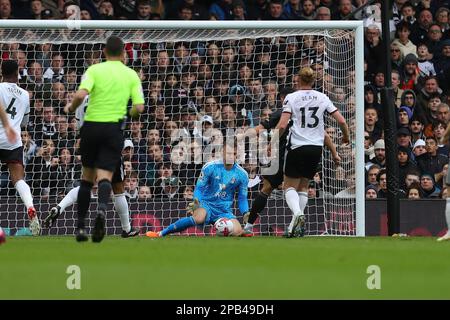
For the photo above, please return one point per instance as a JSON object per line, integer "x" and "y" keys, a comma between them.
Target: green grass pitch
{"x": 225, "y": 268}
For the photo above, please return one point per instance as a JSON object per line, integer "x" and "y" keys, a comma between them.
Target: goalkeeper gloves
{"x": 194, "y": 205}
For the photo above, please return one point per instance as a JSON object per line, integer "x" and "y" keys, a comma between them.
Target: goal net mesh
{"x": 199, "y": 85}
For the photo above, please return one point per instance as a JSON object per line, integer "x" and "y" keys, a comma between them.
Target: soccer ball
{"x": 2, "y": 236}
{"x": 224, "y": 227}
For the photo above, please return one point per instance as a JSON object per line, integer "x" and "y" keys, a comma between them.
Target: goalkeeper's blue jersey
{"x": 217, "y": 186}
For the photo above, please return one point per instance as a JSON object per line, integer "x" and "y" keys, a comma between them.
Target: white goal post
{"x": 341, "y": 62}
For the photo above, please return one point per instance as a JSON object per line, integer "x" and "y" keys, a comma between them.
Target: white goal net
{"x": 199, "y": 84}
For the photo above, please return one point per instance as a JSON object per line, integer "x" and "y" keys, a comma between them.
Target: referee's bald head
{"x": 114, "y": 46}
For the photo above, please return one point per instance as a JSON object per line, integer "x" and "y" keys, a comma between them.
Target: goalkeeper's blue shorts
{"x": 214, "y": 213}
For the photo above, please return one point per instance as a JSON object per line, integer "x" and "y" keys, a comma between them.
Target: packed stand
{"x": 198, "y": 91}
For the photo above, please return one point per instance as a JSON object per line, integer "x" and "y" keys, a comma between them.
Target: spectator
{"x": 420, "y": 29}
{"x": 185, "y": 12}
{"x": 442, "y": 64}
{"x": 149, "y": 162}
{"x": 131, "y": 184}
{"x": 323, "y": 13}
{"x": 412, "y": 177}
{"x": 145, "y": 193}
{"x": 308, "y": 10}
{"x": 144, "y": 10}
{"x": 170, "y": 189}
{"x": 405, "y": 165}
{"x": 42, "y": 170}
{"x": 36, "y": 9}
{"x": 371, "y": 99}
{"x": 21, "y": 58}
{"x": 402, "y": 39}
{"x": 85, "y": 15}
{"x": 380, "y": 154}
{"x": 345, "y": 7}
{"x": 404, "y": 137}
{"x": 5, "y": 9}
{"x": 58, "y": 96}
{"x": 256, "y": 9}
{"x": 65, "y": 172}
{"x": 434, "y": 37}
{"x": 408, "y": 14}
{"x": 29, "y": 147}
{"x": 222, "y": 9}
{"x": 293, "y": 10}
{"x": 372, "y": 175}
{"x": 371, "y": 192}
{"x": 409, "y": 99}
{"x": 413, "y": 191}
{"x": 428, "y": 188}
{"x": 106, "y": 10}
{"x": 238, "y": 10}
{"x": 431, "y": 111}
{"x": 442, "y": 18}
{"x": 416, "y": 126}
{"x": 381, "y": 179}
{"x": 431, "y": 85}
{"x": 371, "y": 124}
{"x": 36, "y": 112}
{"x": 410, "y": 72}
{"x": 396, "y": 81}
{"x": 431, "y": 162}
{"x": 369, "y": 153}
{"x": 419, "y": 148}
{"x": 396, "y": 57}
{"x": 439, "y": 128}
{"x": 426, "y": 66}
{"x": 63, "y": 137}
{"x": 35, "y": 76}
{"x": 275, "y": 11}
{"x": 403, "y": 117}
{"x": 46, "y": 129}
{"x": 188, "y": 193}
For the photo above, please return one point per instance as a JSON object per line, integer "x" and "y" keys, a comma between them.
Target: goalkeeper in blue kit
{"x": 214, "y": 194}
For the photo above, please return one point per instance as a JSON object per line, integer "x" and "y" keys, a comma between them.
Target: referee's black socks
{"x": 104, "y": 194}
{"x": 258, "y": 205}
{"x": 83, "y": 200}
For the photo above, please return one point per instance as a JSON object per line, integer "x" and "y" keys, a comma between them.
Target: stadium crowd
{"x": 203, "y": 89}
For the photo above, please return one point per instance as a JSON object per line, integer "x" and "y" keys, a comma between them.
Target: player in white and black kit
{"x": 272, "y": 182}
{"x": 15, "y": 102}
{"x": 306, "y": 107}
{"x": 119, "y": 199}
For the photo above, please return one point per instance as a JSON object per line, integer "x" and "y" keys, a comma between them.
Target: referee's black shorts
{"x": 302, "y": 162}
{"x": 101, "y": 145}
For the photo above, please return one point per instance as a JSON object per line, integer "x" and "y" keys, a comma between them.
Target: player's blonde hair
{"x": 307, "y": 75}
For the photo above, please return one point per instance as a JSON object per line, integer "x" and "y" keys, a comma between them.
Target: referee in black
{"x": 110, "y": 85}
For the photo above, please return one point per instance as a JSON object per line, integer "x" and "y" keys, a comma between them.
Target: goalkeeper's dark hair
{"x": 114, "y": 46}
{"x": 9, "y": 68}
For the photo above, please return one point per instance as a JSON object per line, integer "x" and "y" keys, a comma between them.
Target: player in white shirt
{"x": 15, "y": 106}
{"x": 119, "y": 198}
{"x": 306, "y": 107}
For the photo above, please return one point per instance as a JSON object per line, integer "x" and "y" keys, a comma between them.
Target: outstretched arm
{"x": 332, "y": 147}
{"x": 343, "y": 125}
{"x": 78, "y": 98}
{"x": 283, "y": 123}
